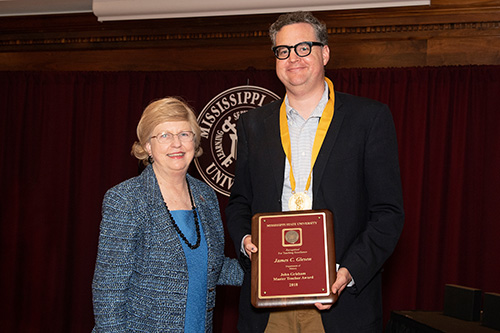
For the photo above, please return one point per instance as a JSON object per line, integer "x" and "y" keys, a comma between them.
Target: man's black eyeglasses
{"x": 302, "y": 49}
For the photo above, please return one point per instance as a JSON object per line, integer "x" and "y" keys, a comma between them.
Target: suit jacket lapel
{"x": 276, "y": 155}
{"x": 156, "y": 207}
{"x": 327, "y": 147}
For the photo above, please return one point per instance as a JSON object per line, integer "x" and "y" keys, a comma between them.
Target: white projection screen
{"x": 109, "y": 10}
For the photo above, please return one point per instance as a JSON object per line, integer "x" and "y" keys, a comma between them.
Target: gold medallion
{"x": 292, "y": 236}
{"x": 299, "y": 201}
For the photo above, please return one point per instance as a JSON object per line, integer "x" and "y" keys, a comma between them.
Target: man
{"x": 355, "y": 175}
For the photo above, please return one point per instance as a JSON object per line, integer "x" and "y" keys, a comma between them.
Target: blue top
{"x": 197, "y": 267}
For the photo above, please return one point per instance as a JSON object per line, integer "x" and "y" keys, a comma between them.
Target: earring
{"x": 150, "y": 159}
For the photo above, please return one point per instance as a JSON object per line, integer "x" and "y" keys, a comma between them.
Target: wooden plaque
{"x": 295, "y": 262}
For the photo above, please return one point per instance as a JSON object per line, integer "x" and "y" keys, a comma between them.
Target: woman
{"x": 161, "y": 245}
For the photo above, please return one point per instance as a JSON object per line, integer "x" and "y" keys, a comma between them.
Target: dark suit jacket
{"x": 356, "y": 176}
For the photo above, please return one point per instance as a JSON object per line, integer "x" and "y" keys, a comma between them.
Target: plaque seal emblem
{"x": 292, "y": 236}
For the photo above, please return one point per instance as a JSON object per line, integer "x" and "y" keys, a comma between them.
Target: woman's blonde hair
{"x": 160, "y": 111}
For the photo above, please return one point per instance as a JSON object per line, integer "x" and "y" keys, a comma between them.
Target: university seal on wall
{"x": 219, "y": 138}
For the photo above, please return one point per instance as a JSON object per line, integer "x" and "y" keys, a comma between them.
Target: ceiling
{"x": 40, "y": 7}
{"x": 150, "y": 9}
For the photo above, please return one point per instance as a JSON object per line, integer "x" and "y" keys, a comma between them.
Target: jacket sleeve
{"x": 371, "y": 248}
{"x": 231, "y": 273}
{"x": 114, "y": 264}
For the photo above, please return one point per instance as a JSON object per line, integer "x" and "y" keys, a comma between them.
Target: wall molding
{"x": 449, "y": 32}
{"x": 120, "y": 41}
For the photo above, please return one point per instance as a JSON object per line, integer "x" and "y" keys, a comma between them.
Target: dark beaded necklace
{"x": 196, "y": 222}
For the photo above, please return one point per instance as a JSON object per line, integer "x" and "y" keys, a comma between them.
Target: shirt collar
{"x": 318, "y": 110}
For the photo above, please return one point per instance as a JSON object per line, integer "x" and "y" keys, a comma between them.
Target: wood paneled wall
{"x": 448, "y": 32}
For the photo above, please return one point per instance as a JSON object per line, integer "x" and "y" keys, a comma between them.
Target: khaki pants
{"x": 295, "y": 321}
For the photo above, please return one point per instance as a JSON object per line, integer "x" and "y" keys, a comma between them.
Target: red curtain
{"x": 66, "y": 139}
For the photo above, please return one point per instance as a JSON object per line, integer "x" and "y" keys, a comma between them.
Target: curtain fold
{"x": 66, "y": 139}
